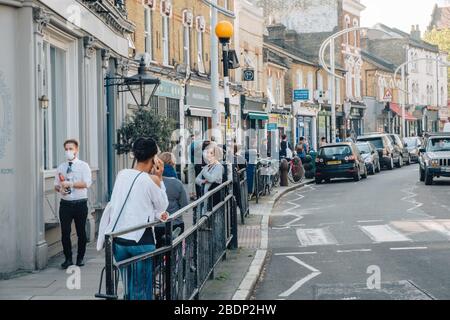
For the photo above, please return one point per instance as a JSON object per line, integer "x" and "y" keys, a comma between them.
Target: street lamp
{"x": 142, "y": 85}
{"x": 224, "y": 31}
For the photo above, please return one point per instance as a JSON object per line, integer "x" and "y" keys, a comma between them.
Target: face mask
{"x": 70, "y": 155}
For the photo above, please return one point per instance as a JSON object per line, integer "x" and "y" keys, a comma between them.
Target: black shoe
{"x": 80, "y": 262}
{"x": 66, "y": 264}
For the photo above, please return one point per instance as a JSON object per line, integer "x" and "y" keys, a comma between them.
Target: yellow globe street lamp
{"x": 224, "y": 31}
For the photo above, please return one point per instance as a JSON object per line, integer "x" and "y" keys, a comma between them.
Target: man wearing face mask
{"x": 73, "y": 178}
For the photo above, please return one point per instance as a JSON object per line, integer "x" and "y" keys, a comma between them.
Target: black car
{"x": 401, "y": 149}
{"x": 413, "y": 144}
{"x": 387, "y": 153}
{"x": 340, "y": 160}
{"x": 435, "y": 157}
{"x": 370, "y": 156}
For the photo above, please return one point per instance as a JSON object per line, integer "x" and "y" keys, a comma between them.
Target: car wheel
{"x": 379, "y": 167}
{"x": 318, "y": 181}
{"x": 428, "y": 178}
{"x": 409, "y": 161}
{"x": 422, "y": 174}
{"x": 374, "y": 170}
{"x": 357, "y": 177}
{"x": 327, "y": 180}
{"x": 365, "y": 175}
{"x": 400, "y": 162}
{"x": 390, "y": 165}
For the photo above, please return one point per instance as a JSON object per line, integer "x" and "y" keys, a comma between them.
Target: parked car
{"x": 435, "y": 157}
{"x": 401, "y": 149}
{"x": 370, "y": 156}
{"x": 413, "y": 144}
{"x": 340, "y": 160}
{"x": 387, "y": 153}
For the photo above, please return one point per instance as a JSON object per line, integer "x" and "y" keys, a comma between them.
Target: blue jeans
{"x": 137, "y": 277}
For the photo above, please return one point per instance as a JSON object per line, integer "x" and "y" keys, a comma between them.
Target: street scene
{"x": 224, "y": 150}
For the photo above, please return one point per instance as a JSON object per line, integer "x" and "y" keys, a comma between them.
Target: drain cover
{"x": 401, "y": 290}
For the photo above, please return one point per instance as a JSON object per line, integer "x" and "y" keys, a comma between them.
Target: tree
{"x": 441, "y": 38}
{"x": 144, "y": 123}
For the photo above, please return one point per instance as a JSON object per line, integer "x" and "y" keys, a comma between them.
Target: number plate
{"x": 331, "y": 163}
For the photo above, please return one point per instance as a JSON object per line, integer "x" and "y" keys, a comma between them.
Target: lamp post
{"x": 142, "y": 85}
{"x": 224, "y": 31}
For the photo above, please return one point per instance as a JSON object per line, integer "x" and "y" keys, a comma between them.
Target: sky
{"x": 401, "y": 14}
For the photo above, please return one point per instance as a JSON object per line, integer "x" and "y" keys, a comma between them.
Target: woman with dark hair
{"x": 139, "y": 197}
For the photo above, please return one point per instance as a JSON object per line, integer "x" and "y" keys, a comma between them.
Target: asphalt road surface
{"x": 387, "y": 237}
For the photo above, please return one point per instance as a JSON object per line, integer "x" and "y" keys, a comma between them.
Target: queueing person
{"x": 211, "y": 175}
{"x": 73, "y": 179}
{"x": 138, "y": 198}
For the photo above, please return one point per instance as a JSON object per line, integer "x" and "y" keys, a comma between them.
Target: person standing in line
{"x": 211, "y": 175}
{"x": 73, "y": 179}
{"x": 138, "y": 198}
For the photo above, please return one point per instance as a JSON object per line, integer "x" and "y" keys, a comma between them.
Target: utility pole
{"x": 214, "y": 69}
{"x": 333, "y": 91}
{"x": 403, "y": 104}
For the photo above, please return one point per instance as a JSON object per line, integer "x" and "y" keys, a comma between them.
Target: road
{"x": 387, "y": 237}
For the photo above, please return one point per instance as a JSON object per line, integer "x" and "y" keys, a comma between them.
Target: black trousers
{"x": 73, "y": 211}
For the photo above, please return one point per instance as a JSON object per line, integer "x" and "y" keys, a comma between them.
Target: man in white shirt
{"x": 72, "y": 180}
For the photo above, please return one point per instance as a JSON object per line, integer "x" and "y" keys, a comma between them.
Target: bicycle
{"x": 296, "y": 172}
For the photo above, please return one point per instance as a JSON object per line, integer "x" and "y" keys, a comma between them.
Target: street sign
{"x": 249, "y": 75}
{"x": 301, "y": 95}
{"x": 388, "y": 95}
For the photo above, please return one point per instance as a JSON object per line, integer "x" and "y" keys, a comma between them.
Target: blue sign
{"x": 301, "y": 95}
{"x": 272, "y": 126}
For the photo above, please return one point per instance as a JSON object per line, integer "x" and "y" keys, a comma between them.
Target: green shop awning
{"x": 258, "y": 116}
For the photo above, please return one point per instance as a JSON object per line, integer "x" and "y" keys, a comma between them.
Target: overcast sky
{"x": 398, "y": 13}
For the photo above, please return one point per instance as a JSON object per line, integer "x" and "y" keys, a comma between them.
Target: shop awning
{"x": 398, "y": 110}
{"x": 200, "y": 112}
{"x": 258, "y": 116}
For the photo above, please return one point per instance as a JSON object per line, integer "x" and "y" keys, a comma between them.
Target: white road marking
{"x": 370, "y": 221}
{"x": 384, "y": 233}
{"x": 438, "y": 226}
{"x": 351, "y": 251}
{"x": 409, "y": 248}
{"x": 302, "y": 281}
{"x": 315, "y": 237}
{"x": 295, "y": 253}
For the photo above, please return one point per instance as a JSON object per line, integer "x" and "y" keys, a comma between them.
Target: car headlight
{"x": 434, "y": 163}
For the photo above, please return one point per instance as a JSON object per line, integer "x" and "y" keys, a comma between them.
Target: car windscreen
{"x": 377, "y": 142}
{"x": 364, "y": 148}
{"x": 439, "y": 144}
{"x": 336, "y": 151}
{"x": 411, "y": 142}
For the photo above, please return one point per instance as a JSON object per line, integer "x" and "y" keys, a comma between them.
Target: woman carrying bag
{"x": 139, "y": 197}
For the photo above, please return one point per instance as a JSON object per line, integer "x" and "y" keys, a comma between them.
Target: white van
{"x": 447, "y": 127}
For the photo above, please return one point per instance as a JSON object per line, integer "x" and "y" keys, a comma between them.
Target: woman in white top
{"x": 138, "y": 198}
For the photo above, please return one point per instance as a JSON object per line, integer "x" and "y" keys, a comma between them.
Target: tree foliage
{"x": 441, "y": 38}
{"x": 144, "y": 123}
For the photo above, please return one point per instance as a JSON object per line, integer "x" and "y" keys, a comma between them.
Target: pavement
{"x": 234, "y": 278}
{"x": 384, "y": 238}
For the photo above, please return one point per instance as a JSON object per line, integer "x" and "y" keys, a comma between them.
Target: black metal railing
{"x": 240, "y": 189}
{"x": 179, "y": 269}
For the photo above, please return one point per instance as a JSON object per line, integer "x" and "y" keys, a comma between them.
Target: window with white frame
{"x": 278, "y": 91}
{"x": 355, "y": 33}
{"x": 58, "y": 61}
{"x": 347, "y": 26}
{"x": 311, "y": 85}
{"x": 166, "y": 13}
{"x": 319, "y": 82}
{"x": 201, "y": 28}
{"x": 358, "y": 82}
{"x": 299, "y": 79}
{"x": 349, "y": 83}
{"x": 187, "y": 24}
{"x": 148, "y": 31}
